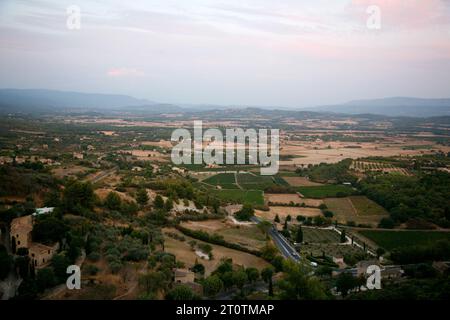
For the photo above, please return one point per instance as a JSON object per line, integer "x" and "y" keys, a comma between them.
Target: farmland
{"x": 224, "y": 180}
{"x": 395, "y": 239}
{"x": 316, "y": 235}
{"x": 184, "y": 253}
{"x": 358, "y": 209}
{"x": 247, "y": 236}
{"x": 366, "y": 207}
{"x": 283, "y": 212}
{"x": 254, "y": 197}
{"x": 250, "y": 181}
{"x": 325, "y": 191}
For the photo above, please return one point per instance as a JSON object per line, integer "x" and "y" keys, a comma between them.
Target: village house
{"x": 20, "y": 231}
{"x": 78, "y": 155}
{"x": 187, "y": 278}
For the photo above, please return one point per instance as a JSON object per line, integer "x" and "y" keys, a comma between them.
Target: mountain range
{"x": 44, "y": 101}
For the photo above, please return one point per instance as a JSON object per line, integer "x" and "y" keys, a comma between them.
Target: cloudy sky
{"x": 252, "y": 52}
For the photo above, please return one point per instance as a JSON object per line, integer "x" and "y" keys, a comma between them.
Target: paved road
{"x": 285, "y": 247}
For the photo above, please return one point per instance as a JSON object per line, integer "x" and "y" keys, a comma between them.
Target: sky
{"x": 288, "y": 53}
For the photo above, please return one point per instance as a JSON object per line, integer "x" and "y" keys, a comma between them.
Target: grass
{"x": 326, "y": 191}
{"x": 365, "y": 206}
{"x": 395, "y": 239}
{"x": 254, "y": 197}
{"x": 224, "y": 180}
{"x": 250, "y": 181}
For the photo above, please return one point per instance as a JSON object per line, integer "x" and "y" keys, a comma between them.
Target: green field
{"x": 251, "y": 181}
{"x": 280, "y": 181}
{"x": 254, "y": 197}
{"x": 224, "y": 180}
{"x": 326, "y": 191}
{"x": 367, "y": 207}
{"x": 394, "y": 239}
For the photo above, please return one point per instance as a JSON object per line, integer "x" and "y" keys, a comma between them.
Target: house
{"x": 20, "y": 231}
{"x": 187, "y": 278}
{"x": 41, "y": 254}
{"x": 78, "y": 155}
{"x": 183, "y": 276}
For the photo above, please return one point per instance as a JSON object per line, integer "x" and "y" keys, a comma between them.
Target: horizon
{"x": 288, "y": 54}
{"x": 268, "y": 107}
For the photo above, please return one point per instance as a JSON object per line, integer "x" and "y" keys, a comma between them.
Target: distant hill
{"x": 37, "y": 100}
{"x": 50, "y": 101}
{"x": 397, "y": 106}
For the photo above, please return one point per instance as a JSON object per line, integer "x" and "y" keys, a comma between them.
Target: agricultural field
{"x": 395, "y": 239}
{"x": 254, "y": 197}
{"x": 250, "y": 181}
{"x": 296, "y": 181}
{"x": 288, "y": 198}
{"x": 184, "y": 253}
{"x": 325, "y": 191}
{"x": 358, "y": 209}
{"x": 366, "y": 166}
{"x": 366, "y": 207}
{"x": 223, "y": 180}
{"x": 247, "y": 236}
{"x": 283, "y": 212}
{"x": 318, "y": 241}
{"x": 316, "y": 235}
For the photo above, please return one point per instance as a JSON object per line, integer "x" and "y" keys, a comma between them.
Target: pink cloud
{"x": 124, "y": 72}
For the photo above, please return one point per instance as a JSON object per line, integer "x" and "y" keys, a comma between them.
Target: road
{"x": 286, "y": 248}
{"x": 102, "y": 175}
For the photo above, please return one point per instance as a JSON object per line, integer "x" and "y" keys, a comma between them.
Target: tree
{"x": 142, "y": 197}
{"x": 386, "y": 223}
{"x": 299, "y": 235}
{"x": 252, "y": 274}
{"x": 245, "y": 213}
{"x": 45, "y": 278}
{"x": 152, "y": 282}
{"x": 198, "y": 268}
{"x": 168, "y": 205}
{"x": 239, "y": 278}
{"x": 49, "y": 229}
{"x": 23, "y": 265}
{"x": 266, "y": 275}
{"x": 277, "y": 219}
{"x": 6, "y": 262}
{"x": 212, "y": 285}
{"x": 380, "y": 252}
{"x": 158, "y": 202}
{"x": 78, "y": 195}
{"x": 60, "y": 263}
{"x": 343, "y": 237}
{"x": 297, "y": 284}
{"x": 180, "y": 292}
{"x": 113, "y": 201}
{"x": 345, "y": 282}
{"x": 269, "y": 252}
